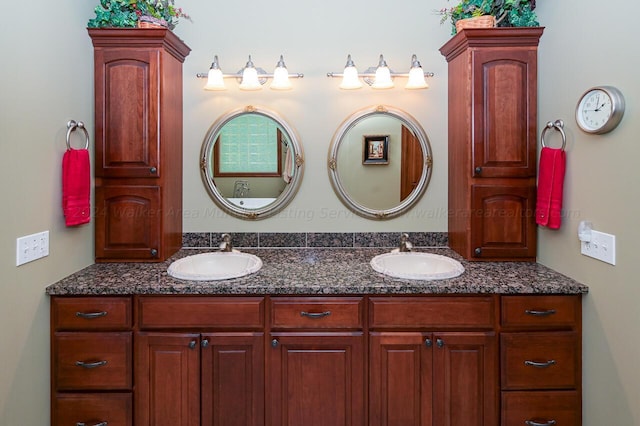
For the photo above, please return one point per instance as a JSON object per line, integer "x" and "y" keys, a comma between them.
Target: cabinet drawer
{"x": 540, "y": 360}
{"x": 92, "y": 360}
{"x": 316, "y": 312}
{"x": 91, "y": 313}
{"x": 201, "y": 312}
{"x": 113, "y": 409}
{"x": 432, "y": 312}
{"x": 541, "y": 311}
{"x": 541, "y": 408}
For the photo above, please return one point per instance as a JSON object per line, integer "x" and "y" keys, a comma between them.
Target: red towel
{"x": 76, "y": 187}
{"x": 550, "y": 184}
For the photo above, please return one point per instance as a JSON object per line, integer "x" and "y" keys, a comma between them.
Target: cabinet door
{"x": 127, "y": 95}
{"x": 316, "y": 379}
{"x": 401, "y": 374}
{"x": 232, "y": 379}
{"x": 465, "y": 387}
{"x": 127, "y": 222}
{"x": 502, "y": 221}
{"x": 167, "y": 377}
{"x": 504, "y": 112}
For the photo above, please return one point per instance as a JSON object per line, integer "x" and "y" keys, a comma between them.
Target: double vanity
{"x": 316, "y": 336}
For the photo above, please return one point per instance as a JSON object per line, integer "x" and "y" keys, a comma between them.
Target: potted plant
{"x": 136, "y": 13}
{"x": 490, "y": 13}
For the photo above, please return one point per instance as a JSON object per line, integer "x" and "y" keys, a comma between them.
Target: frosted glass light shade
{"x": 215, "y": 81}
{"x": 281, "y": 77}
{"x": 250, "y": 77}
{"x": 416, "y": 76}
{"x": 383, "y": 76}
{"x": 350, "y": 79}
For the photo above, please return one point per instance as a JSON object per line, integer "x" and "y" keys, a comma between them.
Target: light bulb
{"x": 350, "y": 78}
{"x": 383, "y": 76}
{"x": 416, "y": 76}
{"x": 250, "y": 77}
{"x": 281, "y": 77}
{"x": 215, "y": 81}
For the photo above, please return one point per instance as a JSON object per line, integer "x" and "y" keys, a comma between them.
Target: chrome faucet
{"x": 225, "y": 245}
{"x": 405, "y": 244}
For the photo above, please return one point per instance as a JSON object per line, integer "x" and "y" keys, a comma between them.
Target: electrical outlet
{"x": 602, "y": 247}
{"x": 32, "y": 247}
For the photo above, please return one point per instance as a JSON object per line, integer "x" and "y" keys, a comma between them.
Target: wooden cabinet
{"x": 492, "y": 142}
{"x": 91, "y": 360}
{"x": 212, "y": 374}
{"x": 316, "y": 361}
{"x": 437, "y": 360}
{"x": 138, "y": 153}
{"x": 430, "y": 377}
{"x": 541, "y": 359}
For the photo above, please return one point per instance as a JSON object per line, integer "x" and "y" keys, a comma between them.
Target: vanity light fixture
{"x": 250, "y": 77}
{"x": 381, "y": 77}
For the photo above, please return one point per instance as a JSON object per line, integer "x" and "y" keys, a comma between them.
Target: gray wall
{"x": 46, "y": 79}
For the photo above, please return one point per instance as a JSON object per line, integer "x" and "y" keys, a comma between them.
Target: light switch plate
{"x": 32, "y": 247}
{"x": 602, "y": 247}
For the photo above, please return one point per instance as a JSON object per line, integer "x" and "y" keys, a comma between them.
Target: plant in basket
{"x": 490, "y": 13}
{"x": 133, "y": 13}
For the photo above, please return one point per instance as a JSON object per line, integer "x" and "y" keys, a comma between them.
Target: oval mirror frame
{"x": 338, "y": 186}
{"x": 290, "y": 189}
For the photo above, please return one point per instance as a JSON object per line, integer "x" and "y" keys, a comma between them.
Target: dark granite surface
{"x": 317, "y": 271}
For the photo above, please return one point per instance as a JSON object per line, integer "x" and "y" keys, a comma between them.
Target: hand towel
{"x": 550, "y": 185}
{"x": 288, "y": 166}
{"x": 76, "y": 187}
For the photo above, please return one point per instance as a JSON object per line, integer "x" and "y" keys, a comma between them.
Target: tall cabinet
{"x": 138, "y": 134}
{"x": 492, "y": 142}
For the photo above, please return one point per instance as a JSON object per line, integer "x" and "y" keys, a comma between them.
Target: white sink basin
{"x": 215, "y": 266}
{"x": 416, "y": 266}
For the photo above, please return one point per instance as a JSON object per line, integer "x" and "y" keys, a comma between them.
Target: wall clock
{"x": 600, "y": 109}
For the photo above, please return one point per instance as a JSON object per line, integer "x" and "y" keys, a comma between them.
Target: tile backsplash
{"x": 313, "y": 239}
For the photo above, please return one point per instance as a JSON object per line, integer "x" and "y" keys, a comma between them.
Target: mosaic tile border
{"x": 314, "y": 239}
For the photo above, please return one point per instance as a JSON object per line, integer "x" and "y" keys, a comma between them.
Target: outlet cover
{"x": 602, "y": 247}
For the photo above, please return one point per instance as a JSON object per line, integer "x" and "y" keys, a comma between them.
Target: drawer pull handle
{"x": 315, "y": 315}
{"x": 537, "y": 313}
{"x": 96, "y": 424}
{"x": 540, "y": 364}
{"x": 91, "y": 315}
{"x": 89, "y": 365}
{"x": 534, "y": 423}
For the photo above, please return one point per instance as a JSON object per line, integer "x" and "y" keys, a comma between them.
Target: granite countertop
{"x": 312, "y": 271}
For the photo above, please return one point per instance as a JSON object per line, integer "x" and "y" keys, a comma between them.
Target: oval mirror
{"x": 251, "y": 163}
{"x": 380, "y": 162}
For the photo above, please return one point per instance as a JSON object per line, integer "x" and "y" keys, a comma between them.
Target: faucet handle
{"x": 225, "y": 245}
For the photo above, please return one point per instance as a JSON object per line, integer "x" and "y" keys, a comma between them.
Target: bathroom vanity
{"x": 316, "y": 337}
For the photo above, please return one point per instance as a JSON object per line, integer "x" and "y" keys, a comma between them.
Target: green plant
{"x": 508, "y": 13}
{"x": 127, "y": 13}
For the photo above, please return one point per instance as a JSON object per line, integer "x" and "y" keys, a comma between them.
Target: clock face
{"x": 594, "y": 110}
{"x": 600, "y": 109}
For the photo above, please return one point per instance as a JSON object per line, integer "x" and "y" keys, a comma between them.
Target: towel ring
{"x": 559, "y": 126}
{"x": 73, "y": 125}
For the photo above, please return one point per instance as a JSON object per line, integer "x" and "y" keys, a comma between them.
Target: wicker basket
{"x": 485, "y": 21}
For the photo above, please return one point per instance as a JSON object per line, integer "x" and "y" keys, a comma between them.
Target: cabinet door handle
{"x": 428, "y": 343}
{"x": 537, "y": 313}
{"x": 192, "y": 344}
{"x": 275, "y": 343}
{"x": 95, "y": 424}
{"x": 91, "y": 364}
{"x": 440, "y": 343}
{"x": 205, "y": 343}
{"x": 477, "y": 251}
{"x": 315, "y": 315}
{"x": 545, "y": 364}
{"x": 154, "y": 252}
{"x": 478, "y": 170}
{"x": 534, "y": 423}
{"x": 153, "y": 170}
{"x": 91, "y": 315}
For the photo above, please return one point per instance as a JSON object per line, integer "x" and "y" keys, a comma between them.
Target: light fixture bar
{"x": 369, "y": 76}
{"x": 250, "y": 77}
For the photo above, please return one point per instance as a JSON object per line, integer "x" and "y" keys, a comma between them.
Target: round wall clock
{"x": 600, "y": 109}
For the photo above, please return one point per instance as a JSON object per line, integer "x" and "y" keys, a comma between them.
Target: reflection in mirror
{"x": 380, "y": 162}
{"x": 251, "y": 163}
